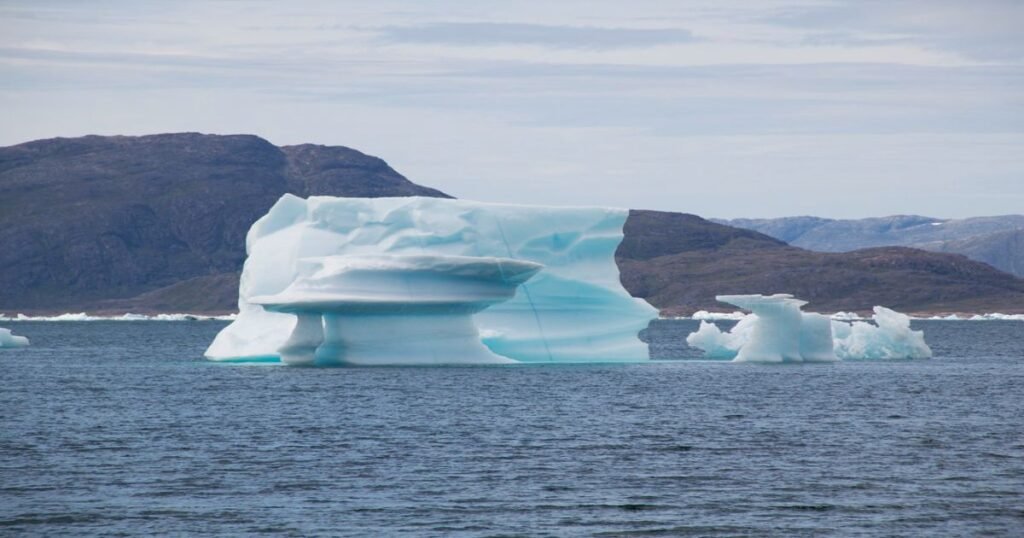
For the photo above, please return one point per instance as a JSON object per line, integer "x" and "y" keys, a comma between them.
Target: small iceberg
{"x": 889, "y": 338}
{"x": 9, "y": 340}
{"x": 777, "y": 330}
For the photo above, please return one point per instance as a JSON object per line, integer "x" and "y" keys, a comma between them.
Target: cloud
{"x": 988, "y": 30}
{"x": 503, "y": 33}
{"x": 716, "y": 107}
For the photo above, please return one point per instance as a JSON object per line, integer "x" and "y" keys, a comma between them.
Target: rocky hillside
{"x": 154, "y": 222}
{"x": 996, "y": 241}
{"x": 680, "y": 276}
{"x": 157, "y": 224}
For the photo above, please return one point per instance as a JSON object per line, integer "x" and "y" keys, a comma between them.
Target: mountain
{"x": 157, "y": 224}
{"x": 1003, "y": 250}
{"x": 993, "y": 240}
{"x": 154, "y": 222}
{"x": 679, "y": 262}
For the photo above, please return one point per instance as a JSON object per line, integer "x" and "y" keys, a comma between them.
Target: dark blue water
{"x": 120, "y": 428}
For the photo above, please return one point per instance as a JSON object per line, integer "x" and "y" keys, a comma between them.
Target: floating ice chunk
{"x": 781, "y": 332}
{"x": 997, "y": 317}
{"x": 704, "y": 315}
{"x": 82, "y": 316}
{"x": 778, "y": 331}
{"x": 7, "y": 339}
{"x": 574, "y": 310}
{"x": 718, "y": 344}
{"x": 889, "y": 338}
{"x": 950, "y": 317}
{"x": 846, "y": 316}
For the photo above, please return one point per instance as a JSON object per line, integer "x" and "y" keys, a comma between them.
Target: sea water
{"x": 123, "y": 428}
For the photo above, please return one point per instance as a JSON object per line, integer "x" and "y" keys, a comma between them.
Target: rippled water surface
{"x": 121, "y": 428}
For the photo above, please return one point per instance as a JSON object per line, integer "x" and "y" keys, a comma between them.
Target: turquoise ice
{"x": 573, "y": 308}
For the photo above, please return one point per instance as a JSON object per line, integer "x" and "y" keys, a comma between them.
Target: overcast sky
{"x": 721, "y": 108}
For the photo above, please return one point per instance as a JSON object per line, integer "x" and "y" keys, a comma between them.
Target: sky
{"x": 721, "y": 108}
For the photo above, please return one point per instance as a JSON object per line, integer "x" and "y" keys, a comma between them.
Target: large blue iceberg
{"x": 433, "y": 281}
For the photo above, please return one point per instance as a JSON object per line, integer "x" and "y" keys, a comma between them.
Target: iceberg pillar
{"x": 776, "y": 335}
{"x": 306, "y": 337}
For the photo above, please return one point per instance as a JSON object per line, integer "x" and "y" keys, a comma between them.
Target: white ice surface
{"x": 574, "y": 310}
{"x": 7, "y": 339}
{"x": 718, "y": 344}
{"x": 704, "y": 315}
{"x": 777, "y": 331}
{"x": 889, "y": 338}
{"x": 781, "y": 332}
{"x": 82, "y": 316}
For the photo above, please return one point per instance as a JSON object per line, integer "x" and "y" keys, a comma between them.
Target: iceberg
{"x": 9, "y": 340}
{"x": 373, "y": 281}
{"x": 889, "y": 338}
{"x": 777, "y": 330}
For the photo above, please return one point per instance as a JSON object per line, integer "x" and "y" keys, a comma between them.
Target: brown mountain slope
{"x": 89, "y": 223}
{"x": 681, "y": 276}
{"x": 157, "y": 224}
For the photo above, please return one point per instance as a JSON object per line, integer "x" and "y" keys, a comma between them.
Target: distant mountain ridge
{"x": 680, "y": 276}
{"x": 157, "y": 224}
{"x": 997, "y": 241}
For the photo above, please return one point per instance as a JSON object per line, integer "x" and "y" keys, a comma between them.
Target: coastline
{"x": 51, "y": 316}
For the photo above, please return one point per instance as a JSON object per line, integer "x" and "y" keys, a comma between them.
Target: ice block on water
{"x": 570, "y": 308}
{"x": 889, "y": 338}
{"x": 8, "y": 339}
{"x": 778, "y": 331}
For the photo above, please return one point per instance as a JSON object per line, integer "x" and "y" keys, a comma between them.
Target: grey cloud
{"x": 493, "y": 33}
{"x": 983, "y": 30}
